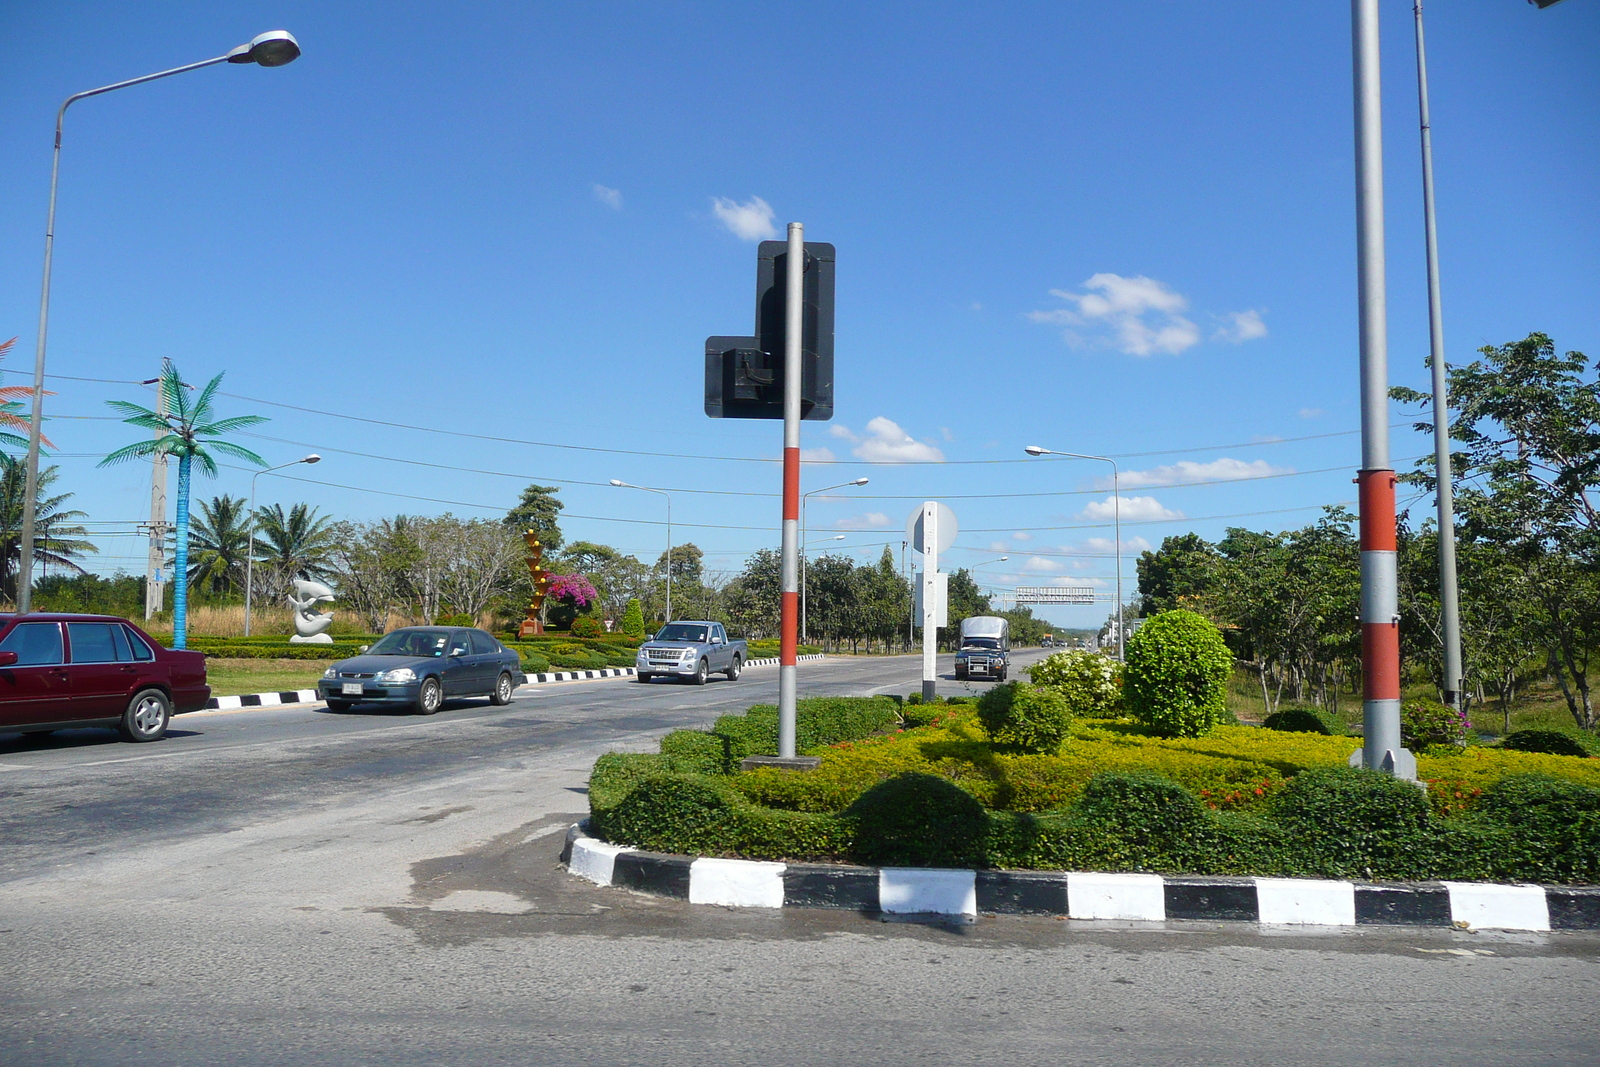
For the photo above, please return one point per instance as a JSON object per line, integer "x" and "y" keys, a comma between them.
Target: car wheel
{"x": 147, "y": 716}
{"x": 642, "y": 676}
{"x": 502, "y": 691}
{"x": 733, "y": 671}
{"x": 340, "y": 705}
{"x": 701, "y": 672}
{"x": 430, "y": 696}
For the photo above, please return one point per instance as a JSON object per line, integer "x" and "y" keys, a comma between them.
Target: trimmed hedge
{"x": 1546, "y": 741}
{"x": 934, "y": 796}
{"x": 1296, "y": 721}
{"x": 1030, "y": 718}
{"x": 231, "y": 650}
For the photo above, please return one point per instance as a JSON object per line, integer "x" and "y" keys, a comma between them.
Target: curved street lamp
{"x": 272, "y": 49}
{"x": 250, "y": 541}
{"x": 804, "y": 497}
{"x": 646, "y": 489}
{"x": 1116, "y": 511}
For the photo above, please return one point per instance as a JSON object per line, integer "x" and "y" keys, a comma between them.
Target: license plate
{"x": 351, "y": 689}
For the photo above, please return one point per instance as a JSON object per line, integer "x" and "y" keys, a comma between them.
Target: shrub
{"x": 1296, "y": 721}
{"x": 1348, "y": 822}
{"x": 673, "y": 813}
{"x": 1553, "y": 829}
{"x": 696, "y": 752}
{"x": 1146, "y": 811}
{"x": 1090, "y": 682}
{"x": 1428, "y": 722}
{"x": 1028, "y": 717}
{"x": 819, "y": 721}
{"x": 457, "y": 619}
{"x": 1176, "y": 676}
{"x": 533, "y": 663}
{"x": 1546, "y": 741}
{"x": 633, "y": 619}
{"x": 587, "y": 626}
{"x": 919, "y": 820}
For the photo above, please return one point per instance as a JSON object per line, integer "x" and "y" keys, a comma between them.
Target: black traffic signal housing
{"x": 744, "y": 375}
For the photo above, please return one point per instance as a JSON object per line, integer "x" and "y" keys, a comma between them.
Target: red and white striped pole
{"x": 1380, "y": 611}
{"x": 788, "y": 645}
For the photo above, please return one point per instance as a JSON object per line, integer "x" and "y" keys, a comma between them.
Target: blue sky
{"x": 1119, "y": 229}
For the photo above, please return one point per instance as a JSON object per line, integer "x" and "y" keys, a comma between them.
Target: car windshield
{"x": 981, "y": 642}
{"x": 411, "y": 643}
{"x": 681, "y": 631}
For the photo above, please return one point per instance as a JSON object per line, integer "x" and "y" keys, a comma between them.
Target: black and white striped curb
{"x": 1082, "y": 894}
{"x": 309, "y": 696}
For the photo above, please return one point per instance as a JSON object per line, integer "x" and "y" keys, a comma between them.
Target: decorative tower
{"x": 531, "y": 626}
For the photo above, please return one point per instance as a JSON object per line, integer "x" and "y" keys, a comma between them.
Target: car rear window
{"x": 482, "y": 643}
{"x": 96, "y": 642}
{"x": 141, "y": 651}
{"x": 34, "y": 643}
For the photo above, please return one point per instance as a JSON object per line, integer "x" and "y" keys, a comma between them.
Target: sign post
{"x": 931, "y": 530}
{"x": 788, "y": 642}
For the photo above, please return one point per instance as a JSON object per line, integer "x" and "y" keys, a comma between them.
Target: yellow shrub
{"x": 1455, "y": 781}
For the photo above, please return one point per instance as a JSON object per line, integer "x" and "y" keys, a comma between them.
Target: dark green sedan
{"x": 420, "y": 667}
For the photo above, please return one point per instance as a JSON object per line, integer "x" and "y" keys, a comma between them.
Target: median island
{"x": 1090, "y": 769}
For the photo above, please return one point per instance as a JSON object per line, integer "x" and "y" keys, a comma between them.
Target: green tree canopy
{"x": 539, "y": 511}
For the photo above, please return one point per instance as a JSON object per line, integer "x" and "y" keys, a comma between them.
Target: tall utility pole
{"x": 155, "y": 589}
{"x": 1449, "y": 598}
{"x": 788, "y": 680}
{"x": 1380, "y": 614}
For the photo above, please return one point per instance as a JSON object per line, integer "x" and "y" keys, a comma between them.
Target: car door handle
{"x": 128, "y": 669}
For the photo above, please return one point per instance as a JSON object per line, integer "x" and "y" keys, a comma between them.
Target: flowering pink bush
{"x": 575, "y": 586}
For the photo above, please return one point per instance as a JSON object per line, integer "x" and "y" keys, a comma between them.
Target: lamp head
{"x": 1002, "y": 559}
{"x": 1035, "y": 450}
{"x": 859, "y": 481}
{"x": 313, "y": 458}
{"x": 275, "y": 48}
{"x": 618, "y": 482}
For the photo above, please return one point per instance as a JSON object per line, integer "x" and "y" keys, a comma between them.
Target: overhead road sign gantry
{"x": 1055, "y": 594}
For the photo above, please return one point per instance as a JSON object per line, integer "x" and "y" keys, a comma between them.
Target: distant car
{"x": 693, "y": 649}
{"x": 65, "y": 672}
{"x": 421, "y": 667}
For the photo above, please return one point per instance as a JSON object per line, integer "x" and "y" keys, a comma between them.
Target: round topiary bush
{"x": 1296, "y": 721}
{"x": 1025, "y": 716}
{"x": 587, "y": 626}
{"x": 1348, "y": 822}
{"x": 1428, "y": 722}
{"x": 1090, "y": 682}
{"x": 1175, "y": 680}
{"x": 1547, "y": 741}
{"x": 633, "y": 619}
{"x": 919, "y": 820}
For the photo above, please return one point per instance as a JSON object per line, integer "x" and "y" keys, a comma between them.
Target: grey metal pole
{"x": 1380, "y": 618}
{"x": 668, "y": 495}
{"x": 1449, "y": 596}
{"x": 804, "y": 499}
{"x": 1116, "y": 513}
{"x": 788, "y": 679}
{"x": 30, "y": 502}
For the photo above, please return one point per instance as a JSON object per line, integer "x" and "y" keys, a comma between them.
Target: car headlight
{"x": 331, "y": 672}
{"x": 399, "y": 674}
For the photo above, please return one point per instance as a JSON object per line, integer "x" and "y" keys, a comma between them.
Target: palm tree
{"x": 296, "y": 542}
{"x": 57, "y": 539}
{"x": 221, "y": 536}
{"x": 188, "y": 434}
{"x": 13, "y": 423}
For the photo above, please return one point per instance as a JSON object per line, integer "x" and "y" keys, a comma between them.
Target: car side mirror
{"x": 363, "y": 648}
{"x": 8, "y": 659}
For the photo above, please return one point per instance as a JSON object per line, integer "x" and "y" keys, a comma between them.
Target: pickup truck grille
{"x": 978, "y": 664}
{"x": 663, "y": 655}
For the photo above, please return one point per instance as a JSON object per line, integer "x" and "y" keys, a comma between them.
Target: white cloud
{"x": 816, "y": 455}
{"x": 611, "y": 198}
{"x": 1241, "y": 326}
{"x": 1133, "y": 508}
{"x": 872, "y": 520}
{"x": 947, "y": 434}
{"x": 999, "y": 546}
{"x": 752, "y": 220}
{"x": 1022, "y": 535}
{"x": 1310, "y": 413}
{"x": 885, "y": 442}
{"x": 1041, "y": 565}
{"x": 1188, "y": 472}
{"x": 1141, "y": 315}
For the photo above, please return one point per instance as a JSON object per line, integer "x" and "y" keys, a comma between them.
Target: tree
{"x": 221, "y": 540}
{"x": 539, "y": 511}
{"x": 633, "y": 619}
{"x": 57, "y": 538}
{"x": 185, "y": 431}
{"x": 754, "y": 597}
{"x": 1182, "y": 573}
{"x": 618, "y": 578}
{"x": 14, "y": 425}
{"x": 483, "y": 558}
{"x": 290, "y": 543}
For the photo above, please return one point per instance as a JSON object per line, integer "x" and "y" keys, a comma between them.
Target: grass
{"x": 233, "y": 677}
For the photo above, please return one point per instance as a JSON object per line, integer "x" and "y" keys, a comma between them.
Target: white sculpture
{"x": 310, "y": 625}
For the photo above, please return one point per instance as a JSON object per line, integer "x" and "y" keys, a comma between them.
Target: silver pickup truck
{"x": 695, "y": 650}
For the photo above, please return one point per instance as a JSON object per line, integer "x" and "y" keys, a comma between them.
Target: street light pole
{"x": 272, "y": 49}
{"x": 250, "y": 541}
{"x": 804, "y": 499}
{"x": 1449, "y": 597}
{"x": 662, "y": 492}
{"x": 1116, "y": 514}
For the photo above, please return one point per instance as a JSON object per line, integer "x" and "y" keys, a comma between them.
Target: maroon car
{"x": 64, "y": 672}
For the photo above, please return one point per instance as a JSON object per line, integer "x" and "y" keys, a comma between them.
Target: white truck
{"x": 692, "y": 649}
{"x": 985, "y": 650}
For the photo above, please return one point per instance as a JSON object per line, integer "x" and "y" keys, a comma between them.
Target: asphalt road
{"x": 299, "y": 887}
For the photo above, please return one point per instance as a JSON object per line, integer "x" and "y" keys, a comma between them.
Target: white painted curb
{"x": 1498, "y": 907}
{"x": 927, "y": 891}
{"x": 1305, "y": 902}
{"x": 736, "y": 883}
{"x": 595, "y": 859}
{"x": 1092, "y": 895}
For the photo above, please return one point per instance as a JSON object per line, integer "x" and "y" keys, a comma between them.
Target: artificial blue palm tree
{"x": 184, "y": 430}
